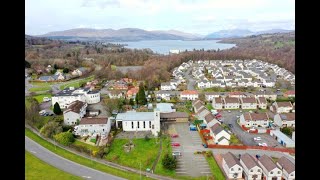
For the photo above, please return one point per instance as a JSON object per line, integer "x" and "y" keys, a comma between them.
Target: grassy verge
{"x": 88, "y": 146}
{"x": 209, "y": 106}
{"x": 81, "y": 160}
{"x": 143, "y": 151}
{"x": 234, "y": 140}
{"x": 38, "y": 169}
{"x": 44, "y": 88}
{"x": 215, "y": 169}
{"x": 166, "y": 148}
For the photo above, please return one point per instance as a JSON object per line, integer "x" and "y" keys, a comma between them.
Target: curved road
{"x": 65, "y": 164}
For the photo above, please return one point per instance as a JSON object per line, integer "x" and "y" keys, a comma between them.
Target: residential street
{"x": 64, "y": 164}
{"x": 190, "y": 81}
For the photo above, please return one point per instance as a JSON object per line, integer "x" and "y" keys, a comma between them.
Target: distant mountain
{"x": 234, "y": 33}
{"x": 126, "y": 34}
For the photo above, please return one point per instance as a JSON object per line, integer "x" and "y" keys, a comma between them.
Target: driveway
{"x": 101, "y": 107}
{"x": 189, "y": 164}
{"x": 245, "y": 137}
{"x": 190, "y": 81}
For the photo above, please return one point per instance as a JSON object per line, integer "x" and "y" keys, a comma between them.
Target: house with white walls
{"x": 90, "y": 126}
{"x": 285, "y": 119}
{"x": 249, "y": 120}
{"x": 74, "y": 113}
{"x": 288, "y": 168}
{"x": 231, "y": 166}
{"x": 270, "y": 171}
{"x": 251, "y": 168}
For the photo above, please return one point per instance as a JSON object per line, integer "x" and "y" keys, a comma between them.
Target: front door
{"x": 254, "y": 177}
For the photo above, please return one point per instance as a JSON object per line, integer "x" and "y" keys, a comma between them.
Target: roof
{"x": 221, "y": 138}
{"x": 75, "y": 106}
{"x": 231, "y": 100}
{"x": 195, "y": 101}
{"x": 230, "y": 159}
{"x": 201, "y": 109}
{"x": 267, "y": 162}
{"x": 218, "y": 100}
{"x": 236, "y": 93}
{"x": 212, "y": 93}
{"x": 262, "y": 100}
{"x": 249, "y": 100}
{"x": 256, "y": 116}
{"x": 291, "y": 92}
{"x": 94, "y": 120}
{"x": 248, "y": 161}
{"x": 174, "y": 115}
{"x": 286, "y": 164}
{"x": 189, "y": 92}
{"x": 282, "y": 137}
{"x": 135, "y": 116}
{"x": 198, "y": 105}
{"x": 288, "y": 116}
{"x": 284, "y": 104}
{"x": 165, "y": 107}
{"x": 165, "y": 84}
{"x": 209, "y": 117}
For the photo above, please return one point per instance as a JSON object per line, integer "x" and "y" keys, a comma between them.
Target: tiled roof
{"x": 230, "y": 159}
{"x": 286, "y": 164}
{"x": 94, "y": 120}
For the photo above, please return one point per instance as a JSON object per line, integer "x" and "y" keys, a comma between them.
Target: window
{"x": 259, "y": 170}
{"x": 132, "y": 125}
{"x": 149, "y": 124}
{"x": 279, "y": 172}
{"x": 144, "y": 124}
{"x": 251, "y": 170}
{"x": 152, "y": 126}
{"x": 271, "y": 172}
{"x": 231, "y": 169}
{"x": 239, "y": 169}
{"x": 138, "y": 124}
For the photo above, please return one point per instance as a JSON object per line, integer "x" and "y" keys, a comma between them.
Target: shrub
{"x": 50, "y": 129}
{"x": 64, "y": 138}
{"x": 93, "y": 140}
{"x": 57, "y": 109}
{"x": 169, "y": 162}
{"x": 106, "y": 150}
{"x": 287, "y": 131}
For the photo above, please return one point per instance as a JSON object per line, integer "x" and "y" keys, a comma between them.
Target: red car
{"x": 175, "y": 144}
{"x": 218, "y": 116}
{"x": 174, "y": 135}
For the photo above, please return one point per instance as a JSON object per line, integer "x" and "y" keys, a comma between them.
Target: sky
{"x": 192, "y": 16}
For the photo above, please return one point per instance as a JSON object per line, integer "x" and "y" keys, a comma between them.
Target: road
{"x": 191, "y": 82}
{"x": 27, "y": 86}
{"x": 64, "y": 164}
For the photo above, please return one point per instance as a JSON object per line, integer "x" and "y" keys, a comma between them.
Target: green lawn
{"x": 234, "y": 140}
{"x": 76, "y": 83}
{"x": 43, "y": 84}
{"x": 166, "y": 148}
{"x": 215, "y": 169}
{"x": 88, "y": 146}
{"x": 39, "y": 97}
{"x": 43, "y": 88}
{"x": 38, "y": 169}
{"x": 209, "y": 106}
{"x": 27, "y": 102}
{"x": 143, "y": 151}
{"x": 81, "y": 160}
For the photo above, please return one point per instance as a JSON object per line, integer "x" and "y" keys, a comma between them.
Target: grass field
{"x": 143, "y": 151}
{"x": 81, "y": 160}
{"x": 38, "y": 169}
{"x": 166, "y": 148}
{"x": 43, "y": 88}
{"x": 76, "y": 83}
{"x": 215, "y": 169}
{"x": 39, "y": 97}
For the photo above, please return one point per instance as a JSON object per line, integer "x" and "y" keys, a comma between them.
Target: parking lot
{"x": 189, "y": 164}
{"x": 245, "y": 137}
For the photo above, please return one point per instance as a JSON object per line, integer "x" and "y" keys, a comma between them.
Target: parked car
{"x": 220, "y": 120}
{"x": 257, "y": 138}
{"x": 263, "y": 144}
{"x": 176, "y": 153}
{"x": 229, "y": 111}
{"x": 174, "y": 135}
{"x": 240, "y": 111}
{"x": 252, "y": 129}
{"x": 175, "y": 144}
{"x": 238, "y": 116}
{"x": 218, "y": 116}
{"x": 230, "y": 125}
{"x": 42, "y": 112}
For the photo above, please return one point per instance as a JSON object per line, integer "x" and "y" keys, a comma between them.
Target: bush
{"x": 64, "y": 138}
{"x": 287, "y": 131}
{"x": 50, "y": 129}
{"x": 106, "y": 150}
{"x": 169, "y": 162}
{"x": 66, "y": 128}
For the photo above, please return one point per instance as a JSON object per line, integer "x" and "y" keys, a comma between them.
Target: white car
{"x": 263, "y": 144}
{"x": 238, "y": 116}
{"x": 257, "y": 138}
{"x": 176, "y": 153}
{"x": 229, "y": 111}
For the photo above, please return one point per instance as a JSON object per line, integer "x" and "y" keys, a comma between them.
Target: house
{"x": 254, "y": 120}
{"x": 127, "y": 80}
{"x": 131, "y": 93}
{"x": 231, "y": 103}
{"x": 248, "y": 103}
{"x": 220, "y": 136}
{"x": 68, "y": 95}
{"x": 285, "y": 119}
{"x": 165, "y": 107}
{"x": 76, "y": 72}
{"x": 197, "y": 105}
{"x": 75, "y": 111}
{"x": 267, "y": 94}
{"x": 288, "y": 168}
{"x": 46, "y": 78}
{"x": 231, "y": 166}
{"x": 283, "y": 139}
{"x": 218, "y": 103}
{"x": 115, "y": 94}
{"x": 204, "y": 84}
{"x": 167, "y": 86}
{"x": 262, "y": 102}
{"x": 189, "y": 95}
{"x": 139, "y": 121}
{"x": 270, "y": 170}
{"x": 209, "y": 118}
{"x": 210, "y": 95}
{"x": 202, "y": 113}
{"x": 251, "y": 168}
{"x": 281, "y": 107}
{"x": 289, "y": 94}
{"x": 163, "y": 95}
{"x": 91, "y": 125}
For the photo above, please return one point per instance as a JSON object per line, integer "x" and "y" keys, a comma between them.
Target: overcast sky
{"x": 193, "y": 16}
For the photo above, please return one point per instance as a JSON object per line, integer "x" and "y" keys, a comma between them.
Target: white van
{"x": 46, "y": 99}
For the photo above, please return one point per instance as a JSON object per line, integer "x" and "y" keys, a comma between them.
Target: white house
{"x": 139, "y": 121}
{"x": 75, "y": 111}
{"x": 251, "y": 168}
{"x": 90, "y": 126}
{"x": 288, "y": 168}
{"x": 269, "y": 95}
{"x": 166, "y": 86}
{"x": 262, "y": 102}
{"x": 68, "y": 95}
{"x": 270, "y": 170}
{"x": 283, "y": 139}
{"x": 281, "y": 107}
{"x": 189, "y": 95}
{"x": 218, "y": 134}
{"x": 248, "y": 103}
{"x": 210, "y": 95}
{"x": 217, "y": 103}
{"x": 285, "y": 119}
{"x": 254, "y": 120}
{"x": 231, "y": 103}
{"x": 231, "y": 166}
{"x": 163, "y": 95}
{"x": 115, "y": 94}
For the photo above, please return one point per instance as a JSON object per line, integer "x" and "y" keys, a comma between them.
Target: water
{"x": 163, "y": 46}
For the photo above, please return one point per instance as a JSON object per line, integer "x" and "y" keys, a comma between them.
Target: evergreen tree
{"x": 57, "y": 109}
{"x": 142, "y": 100}
{"x": 131, "y": 102}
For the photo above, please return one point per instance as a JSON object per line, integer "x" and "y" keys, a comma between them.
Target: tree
{"x": 55, "y": 66}
{"x": 50, "y": 129}
{"x": 57, "y": 109}
{"x": 131, "y": 102}
{"x": 64, "y": 138}
{"x": 287, "y": 131}
{"x": 142, "y": 100}
{"x": 169, "y": 162}
{"x": 27, "y": 64}
{"x": 65, "y": 70}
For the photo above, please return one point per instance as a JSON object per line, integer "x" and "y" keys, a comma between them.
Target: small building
{"x": 174, "y": 117}
{"x": 237, "y": 94}
{"x": 210, "y": 95}
{"x": 251, "y": 168}
{"x": 132, "y": 92}
{"x": 281, "y": 107}
{"x": 189, "y": 95}
{"x": 267, "y": 94}
{"x": 115, "y": 94}
{"x": 262, "y": 102}
{"x": 218, "y": 103}
{"x": 90, "y": 126}
{"x": 288, "y": 168}
{"x": 248, "y": 103}
{"x": 74, "y": 113}
{"x": 197, "y": 104}
{"x": 283, "y": 139}
{"x": 218, "y": 134}
{"x": 254, "y": 120}
{"x": 166, "y": 86}
{"x": 231, "y": 103}
{"x": 231, "y": 166}
{"x": 270, "y": 170}
{"x": 165, "y": 107}
{"x": 285, "y": 119}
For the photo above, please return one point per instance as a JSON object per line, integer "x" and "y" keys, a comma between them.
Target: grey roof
{"x": 165, "y": 84}
{"x": 165, "y": 107}
{"x": 248, "y": 161}
{"x": 267, "y": 162}
{"x": 94, "y": 120}
{"x": 286, "y": 164}
{"x": 75, "y": 106}
{"x": 174, "y": 115}
{"x": 136, "y": 116}
{"x": 230, "y": 159}
{"x": 46, "y": 78}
